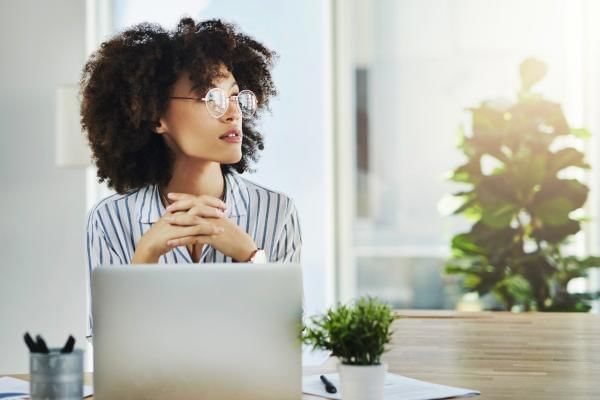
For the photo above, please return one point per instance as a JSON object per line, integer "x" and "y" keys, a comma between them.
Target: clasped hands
{"x": 196, "y": 219}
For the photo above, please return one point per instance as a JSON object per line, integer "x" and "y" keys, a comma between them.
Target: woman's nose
{"x": 233, "y": 112}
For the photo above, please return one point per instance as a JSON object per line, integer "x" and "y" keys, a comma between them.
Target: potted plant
{"x": 525, "y": 197}
{"x": 356, "y": 334}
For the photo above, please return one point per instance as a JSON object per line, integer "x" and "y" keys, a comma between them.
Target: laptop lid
{"x": 188, "y": 331}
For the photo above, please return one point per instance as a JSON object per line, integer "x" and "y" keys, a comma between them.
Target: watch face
{"x": 260, "y": 257}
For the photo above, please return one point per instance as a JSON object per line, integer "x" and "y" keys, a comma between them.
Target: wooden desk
{"x": 503, "y": 355}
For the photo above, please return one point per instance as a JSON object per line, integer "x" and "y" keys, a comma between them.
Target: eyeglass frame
{"x": 205, "y": 100}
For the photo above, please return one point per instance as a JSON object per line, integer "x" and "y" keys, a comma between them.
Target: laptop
{"x": 189, "y": 331}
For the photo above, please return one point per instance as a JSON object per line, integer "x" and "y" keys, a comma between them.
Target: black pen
{"x": 329, "y": 388}
{"x": 42, "y": 348}
{"x": 68, "y": 348}
{"x": 30, "y": 343}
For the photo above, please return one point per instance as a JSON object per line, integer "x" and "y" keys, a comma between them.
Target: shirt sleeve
{"x": 99, "y": 251}
{"x": 288, "y": 246}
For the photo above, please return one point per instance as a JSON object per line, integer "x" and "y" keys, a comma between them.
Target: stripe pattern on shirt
{"x": 116, "y": 224}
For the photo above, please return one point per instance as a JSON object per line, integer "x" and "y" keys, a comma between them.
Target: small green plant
{"x": 524, "y": 204}
{"x": 356, "y": 334}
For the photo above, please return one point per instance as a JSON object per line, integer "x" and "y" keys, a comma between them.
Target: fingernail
{"x": 169, "y": 219}
{"x": 171, "y": 195}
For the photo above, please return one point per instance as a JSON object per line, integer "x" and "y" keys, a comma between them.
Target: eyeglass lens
{"x": 217, "y": 102}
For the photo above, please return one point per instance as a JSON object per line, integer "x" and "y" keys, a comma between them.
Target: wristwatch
{"x": 258, "y": 257}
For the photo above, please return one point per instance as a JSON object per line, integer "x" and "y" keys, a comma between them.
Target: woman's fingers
{"x": 200, "y": 229}
{"x": 193, "y": 216}
{"x": 206, "y": 211}
{"x": 185, "y": 241}
{"x": 191, "y": 200}
{"x": 200, "y": 233}
{"x": 184, "y": 219}
{"x": 203, "y": 228}
{"x": 201, "y": 210}
{"x": 180, "y": 205}
{"x": 179, "y": 196}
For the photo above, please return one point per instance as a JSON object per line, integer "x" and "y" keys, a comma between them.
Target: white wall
{"x": 42, "y": 207}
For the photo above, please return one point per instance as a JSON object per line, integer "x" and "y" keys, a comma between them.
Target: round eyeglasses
{"x": 217, "y": 102}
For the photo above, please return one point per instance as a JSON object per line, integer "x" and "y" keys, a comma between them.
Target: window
{"x": 406, "y": 71}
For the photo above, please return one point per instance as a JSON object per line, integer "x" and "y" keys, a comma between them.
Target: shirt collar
{"x": 236, "y": 197}
{"x": 149, "y": 207}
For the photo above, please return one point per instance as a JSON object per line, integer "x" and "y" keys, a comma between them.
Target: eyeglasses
{"x": 217, "y": 102}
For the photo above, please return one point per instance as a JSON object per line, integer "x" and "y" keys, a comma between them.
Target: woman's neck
{"x": 197, "y": 178}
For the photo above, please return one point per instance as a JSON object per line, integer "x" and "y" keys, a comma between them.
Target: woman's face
{"x": 191, "y": 131}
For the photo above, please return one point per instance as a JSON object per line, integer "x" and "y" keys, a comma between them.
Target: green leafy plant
{"x": 356, "y": 334}
{"x": 521, "y": 196}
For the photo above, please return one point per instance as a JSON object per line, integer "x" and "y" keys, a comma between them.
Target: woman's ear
{"x": 160, "y": 127}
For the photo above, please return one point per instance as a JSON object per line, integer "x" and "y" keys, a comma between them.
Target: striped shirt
{"x": 116, "y": 224}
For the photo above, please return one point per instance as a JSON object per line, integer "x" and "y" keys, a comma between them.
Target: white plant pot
{"x": 362, "y": 382}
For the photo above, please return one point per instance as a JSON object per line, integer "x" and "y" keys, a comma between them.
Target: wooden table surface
{"x": 503, "y": 355}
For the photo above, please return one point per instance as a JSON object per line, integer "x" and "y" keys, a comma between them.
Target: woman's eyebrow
{"x": 197, "y": 87}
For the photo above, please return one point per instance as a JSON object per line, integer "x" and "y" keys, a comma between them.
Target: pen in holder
{"x": 56, "y": 375}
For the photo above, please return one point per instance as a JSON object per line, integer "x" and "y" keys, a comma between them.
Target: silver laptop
{"x": 209, "y": 331}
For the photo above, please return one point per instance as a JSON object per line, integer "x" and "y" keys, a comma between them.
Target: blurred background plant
{"x": 523, "y": 198}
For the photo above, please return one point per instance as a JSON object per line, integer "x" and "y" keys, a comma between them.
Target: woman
{"x": 170, "y": 117}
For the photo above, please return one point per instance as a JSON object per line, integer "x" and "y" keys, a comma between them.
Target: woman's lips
{"x": 232, "y": 139}
{"x": 232, "y": 136}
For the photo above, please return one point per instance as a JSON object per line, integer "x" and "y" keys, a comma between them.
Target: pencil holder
{"x": 56, "y": 375}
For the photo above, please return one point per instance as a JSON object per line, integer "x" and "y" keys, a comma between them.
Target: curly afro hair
{"x": 126, "y": 83}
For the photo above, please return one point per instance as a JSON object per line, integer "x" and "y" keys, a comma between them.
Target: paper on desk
{"x": 12, "y": 388}
{"x": 395, "y": 387}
